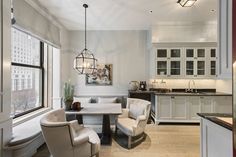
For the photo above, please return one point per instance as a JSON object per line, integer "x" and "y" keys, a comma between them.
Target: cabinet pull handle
{"x": 201, "y": 97}
{"x": 172, "y": 97}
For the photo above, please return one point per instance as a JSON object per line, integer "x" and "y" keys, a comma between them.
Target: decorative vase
{"x": 68, "y": 104}
{"x": 133, "y": 85}
{"x": 76, "y": 106}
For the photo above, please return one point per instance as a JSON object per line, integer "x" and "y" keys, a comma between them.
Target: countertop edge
{"x": 212, "y": 117}
{"x": 182, "y": 93}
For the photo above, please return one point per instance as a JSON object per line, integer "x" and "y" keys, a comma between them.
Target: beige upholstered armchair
{"x": 134, "y": 118}
{"x": 68, "y": 139}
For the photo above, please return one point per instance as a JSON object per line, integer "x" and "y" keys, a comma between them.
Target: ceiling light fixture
{"x": 85, "y": 62}
{"x": 186, "y": 3}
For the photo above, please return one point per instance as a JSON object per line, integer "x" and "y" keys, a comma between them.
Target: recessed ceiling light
{"x": 150, "y": 11}
{"x": 213, "y": 10}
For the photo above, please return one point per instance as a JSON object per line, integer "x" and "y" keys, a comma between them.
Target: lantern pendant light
{"x": 85, "y": 63}
{"x": 186, "y": 3}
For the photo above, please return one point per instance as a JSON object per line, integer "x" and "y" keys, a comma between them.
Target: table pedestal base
{"x": 106, "y": 135}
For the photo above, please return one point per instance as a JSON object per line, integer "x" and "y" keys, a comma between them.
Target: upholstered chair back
{"x": 57, "y": 133}
{"x": 138, "y": 107}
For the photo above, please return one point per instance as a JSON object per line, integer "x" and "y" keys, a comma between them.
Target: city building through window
{"x": 26, "y": 73}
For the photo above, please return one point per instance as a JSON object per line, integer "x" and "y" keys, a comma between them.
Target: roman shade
{"x": 31, "y": 21}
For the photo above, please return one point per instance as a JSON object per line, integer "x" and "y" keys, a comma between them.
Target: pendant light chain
{"x": 85, "y": 6}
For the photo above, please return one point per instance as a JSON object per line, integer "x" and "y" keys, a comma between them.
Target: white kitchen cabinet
{"x": 164, "y": 107}
{"x": 194, "y": 107}
{"x": 216, "y": 141}
{"x": 207, "y": 104}
{"x": 185, "y": 108}
{"x": 179, "y": 108}
{"x": 190, "y": 62}
{"x": 169, "y": 62}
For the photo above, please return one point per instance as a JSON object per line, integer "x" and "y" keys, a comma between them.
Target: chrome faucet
{"x": 191, "y": 89}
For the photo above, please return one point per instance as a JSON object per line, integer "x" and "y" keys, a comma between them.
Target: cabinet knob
{"x": 172, "y": 97}
{"x": 201, "y": 97}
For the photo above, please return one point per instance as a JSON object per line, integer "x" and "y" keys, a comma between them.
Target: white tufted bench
{"x": 26, "y": 138}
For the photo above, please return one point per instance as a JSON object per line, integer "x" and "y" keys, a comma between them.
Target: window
{"x": 27, "y": 73}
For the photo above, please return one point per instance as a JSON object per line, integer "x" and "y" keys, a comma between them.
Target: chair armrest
{"x": 125, "y": 113}
{"x": 74, "y": 124}
{"x": 80, "y": 140}
{"x": 140, "y": 124}
{"x": 141, "y": 118}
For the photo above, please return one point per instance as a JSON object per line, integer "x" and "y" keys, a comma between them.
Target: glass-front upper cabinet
{"x": 189, "y": 68}
{"x": 213, "y": 59}
{"x": 195, "y": 62}
{"x": 175, "y": 67}
{"x": 162, "y": 56}
{"x": 191, "y": 62}
{"x": 200, "y": 67}
{"x": 161, "y": 67}
{"x": 189, "y": 53}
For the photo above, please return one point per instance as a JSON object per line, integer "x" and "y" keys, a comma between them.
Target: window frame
{"x": 41, "y": 68}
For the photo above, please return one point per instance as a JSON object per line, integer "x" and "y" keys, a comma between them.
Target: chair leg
{"x": 116, "y": 130}
{"x": 129, "y": 142}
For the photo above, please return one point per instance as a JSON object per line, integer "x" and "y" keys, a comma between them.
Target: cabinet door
{"x": 179, "y": 107}
{"x": 207, "y": 104}
{"x": 223, "y": 104}
{"x": 194, "y": 107}
{"x": 201, "y": 68}
{"x": 162, "y": 62}
{"x": 175, "y": 53}
{"x": 161, "y": 53}
{"x": 175, "y": 67}
{"x": 189, "y": 68}
{"x": 164, "y": 107}
{"x": 212, "y": 61}
{"x": 189, "y": 53}
{"x": 162, "y": 67}
{"x": 201, "y": 53}
{"x": 213, "y": 67}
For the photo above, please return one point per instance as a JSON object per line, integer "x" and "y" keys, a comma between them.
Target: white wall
{"x": 183, "y": 83}
{"x": 224, "y": 85}
{"x": 180, "y": 32}
{"x": 56, "y": 83}
{"x": 126, "y": 50}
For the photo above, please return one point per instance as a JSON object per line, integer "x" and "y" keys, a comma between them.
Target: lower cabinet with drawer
{"x": 184, "y": 109}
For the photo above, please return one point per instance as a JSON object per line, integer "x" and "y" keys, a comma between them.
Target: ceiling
{"x": 128, "y": 14}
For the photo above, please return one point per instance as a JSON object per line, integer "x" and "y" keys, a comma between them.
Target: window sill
{"x": 29, "y": 116}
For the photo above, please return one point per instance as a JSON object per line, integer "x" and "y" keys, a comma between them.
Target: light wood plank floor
{"x": 161, "y": 141}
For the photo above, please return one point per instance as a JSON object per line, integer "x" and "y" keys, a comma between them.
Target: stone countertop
{"x": 182, "y": 93}
{"x": 218, "y": 118}
{"x": 193, "y": 94}
{"x": 98, "y": 109}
